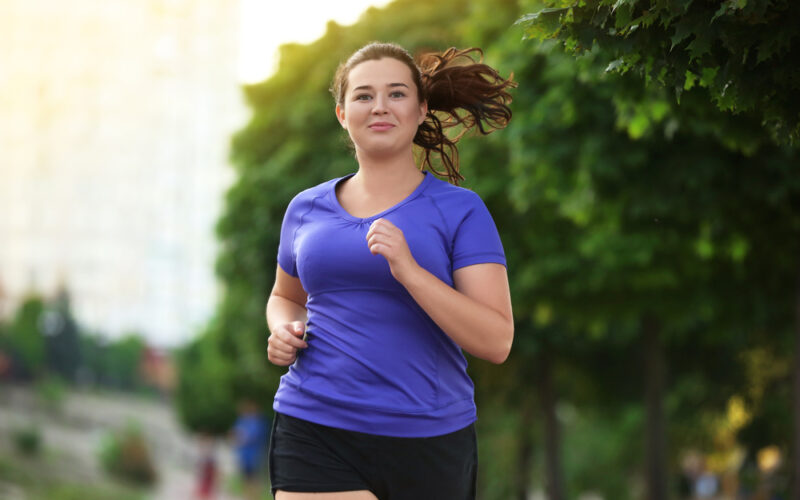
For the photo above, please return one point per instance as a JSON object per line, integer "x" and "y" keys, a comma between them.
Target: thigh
{"x": 339, "y": 495}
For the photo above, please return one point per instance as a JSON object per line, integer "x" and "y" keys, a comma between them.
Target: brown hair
{"x": 460, "y": 91}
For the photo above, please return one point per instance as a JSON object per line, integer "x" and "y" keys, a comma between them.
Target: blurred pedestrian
{"x": 207, "y": 473}
{"x": 250, "y": 433}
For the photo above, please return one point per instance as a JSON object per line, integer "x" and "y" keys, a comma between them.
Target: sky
{"x": 266, "y": 24}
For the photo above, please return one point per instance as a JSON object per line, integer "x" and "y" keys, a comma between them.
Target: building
{"x": 115, "y": 122}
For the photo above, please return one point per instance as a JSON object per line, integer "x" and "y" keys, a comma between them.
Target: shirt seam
{"x": 299, "y": 225}
{"x": 451, "y": 235}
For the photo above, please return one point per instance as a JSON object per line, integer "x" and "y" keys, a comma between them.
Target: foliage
{"x": 27, "y": 440}
{"x": 113, "y": 363}
{"x": 203, "y": 399}
{"x": 125, "y": 455}
{"x": 742, "y": 52}
{"x": 709, "y": 181}
{"x": 24, "y": 339}
{"x": 45, "y": 344}
{"x": 39, "y": 478}
{"x": 62, "y": 341}
{"x": 51, "y": 391}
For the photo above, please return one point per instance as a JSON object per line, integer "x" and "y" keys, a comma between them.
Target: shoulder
{"x": 305, "y": 199}
{"x": 455, "y": 201}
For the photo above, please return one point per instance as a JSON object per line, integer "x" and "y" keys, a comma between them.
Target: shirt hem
{"x": 430, "y": 423}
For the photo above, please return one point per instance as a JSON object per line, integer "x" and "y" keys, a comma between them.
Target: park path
{"x": 76, "y": 430}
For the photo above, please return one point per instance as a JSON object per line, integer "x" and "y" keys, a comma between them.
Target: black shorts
{"x": 308, "y": 457}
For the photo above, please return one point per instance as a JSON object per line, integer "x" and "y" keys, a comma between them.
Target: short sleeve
{"x": 291, "y": 223}
{"x": 476, "y": 239}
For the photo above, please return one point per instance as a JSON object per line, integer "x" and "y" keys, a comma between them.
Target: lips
{"x": 381, "y": 126}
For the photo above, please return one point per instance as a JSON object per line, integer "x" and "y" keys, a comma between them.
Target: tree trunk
{"x": 553, "y": 473}
{"x": 525, "y": 458}
{"x": 795, "y": 470}
{"x": 655, "y": 426}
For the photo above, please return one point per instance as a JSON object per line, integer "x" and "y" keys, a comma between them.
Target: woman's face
{"x": 381, "y": 109}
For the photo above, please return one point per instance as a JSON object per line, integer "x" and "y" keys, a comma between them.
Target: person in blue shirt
{"x": 384, "y": 276}
{"x": 250, "y": 435}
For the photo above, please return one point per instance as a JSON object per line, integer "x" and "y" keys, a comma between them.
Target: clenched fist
{"x": 285, "y": 341}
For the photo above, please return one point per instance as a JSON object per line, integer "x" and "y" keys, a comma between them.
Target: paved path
{"x": 78, "y": 427}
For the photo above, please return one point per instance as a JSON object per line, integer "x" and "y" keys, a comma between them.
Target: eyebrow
{"x": 369, "y": 87}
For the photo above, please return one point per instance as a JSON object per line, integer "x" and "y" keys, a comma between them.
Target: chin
{"x": 374, "y": 149}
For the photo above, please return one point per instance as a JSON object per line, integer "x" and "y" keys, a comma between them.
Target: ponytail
{"x": 460, "y": 92}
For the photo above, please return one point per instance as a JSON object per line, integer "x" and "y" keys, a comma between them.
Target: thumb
{"x": 298, "y": 328}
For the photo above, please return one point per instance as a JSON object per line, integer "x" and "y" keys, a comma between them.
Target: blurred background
{"x": 646, "y": 192}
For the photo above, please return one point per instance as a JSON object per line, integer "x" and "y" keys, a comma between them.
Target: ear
{"x": 340, "y": 116}
{"x": 423, "y": 111}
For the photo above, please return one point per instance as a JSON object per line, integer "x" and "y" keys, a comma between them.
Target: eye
{"x": 362, "y": 97}
{"x": 397, "y": 94}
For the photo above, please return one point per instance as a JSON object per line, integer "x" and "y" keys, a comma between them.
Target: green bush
{"x": 27, "y": 440}
{"x": 51, "y": 391}
{"x": 125, "y": 455}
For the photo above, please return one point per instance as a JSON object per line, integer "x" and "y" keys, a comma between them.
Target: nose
{"x": 379, "y": 105}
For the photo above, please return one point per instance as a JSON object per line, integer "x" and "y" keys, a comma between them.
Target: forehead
{"x": 380, "y": 72}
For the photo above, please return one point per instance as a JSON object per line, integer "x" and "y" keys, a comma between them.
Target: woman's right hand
{"x": 284, "y": 342}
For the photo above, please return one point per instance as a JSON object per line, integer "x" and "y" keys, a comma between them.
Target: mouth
{"x": 381, "y": 126}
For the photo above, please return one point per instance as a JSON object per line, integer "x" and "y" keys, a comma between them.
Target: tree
{"x": 25, "y": 338}
{"x": 205, "y": 404}
{"x": 62, "y": 342}
{"x": 736, "y": 57}
{"x": 741, "y": 51}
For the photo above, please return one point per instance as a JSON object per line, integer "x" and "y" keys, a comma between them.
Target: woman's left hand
{"x": 386, "y": 239}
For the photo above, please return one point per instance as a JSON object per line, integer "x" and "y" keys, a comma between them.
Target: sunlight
{"x": 265, "y": 25}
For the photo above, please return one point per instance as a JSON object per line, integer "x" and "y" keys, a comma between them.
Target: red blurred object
{"x": 207, "y": 479}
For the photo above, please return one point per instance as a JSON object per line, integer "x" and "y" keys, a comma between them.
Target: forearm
{"x": 281, "y": 310}
{"x": 477, "y": 328}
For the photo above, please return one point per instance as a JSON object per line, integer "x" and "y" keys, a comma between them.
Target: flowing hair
{"x": 460, "y": 90}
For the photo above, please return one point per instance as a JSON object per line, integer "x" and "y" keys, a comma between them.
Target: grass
{"x": 39, "y": 478}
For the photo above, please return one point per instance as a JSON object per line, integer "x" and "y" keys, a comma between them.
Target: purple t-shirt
{"x": 376, "y": 362}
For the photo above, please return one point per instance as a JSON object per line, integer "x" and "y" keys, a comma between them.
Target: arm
{"x": 286, "y": 317}
{"x": 476, "y": 314}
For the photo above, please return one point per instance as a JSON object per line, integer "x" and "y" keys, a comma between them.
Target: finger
{"x": 278, "y": 345}
{"x": 285, "y": 335}
{"x": 281, "y": 360}
{"x": 378, "y": 248}
{"x": 297, "y": 328}
{"x": 383, "y": 223}
{"x": 377, "y": 238}
{"x": 279, "y": 351}
{"x": 275, "y": 355}
{"x": 288, "y": 337}
{"x": 380, "y": 226}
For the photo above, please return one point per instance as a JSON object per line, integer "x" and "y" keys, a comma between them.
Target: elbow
{"x": 500, "y": 354}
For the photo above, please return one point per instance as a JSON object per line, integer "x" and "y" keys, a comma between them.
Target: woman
{"x": 384, "y": 276}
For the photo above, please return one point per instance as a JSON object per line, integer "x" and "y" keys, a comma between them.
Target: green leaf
{"x": 700, "y": 46}
{"x": 723, "y": 10}
{"x": 682, "y": 30}
{"x": 543, "y": 24}
{"x": 624, "y": 15}
{"x": 613, "y": 65}
{"x": 709, "y": 76}
{"x": 691, "y": 78}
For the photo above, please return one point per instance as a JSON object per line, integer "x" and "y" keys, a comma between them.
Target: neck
{"x": 386, "y": 174}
